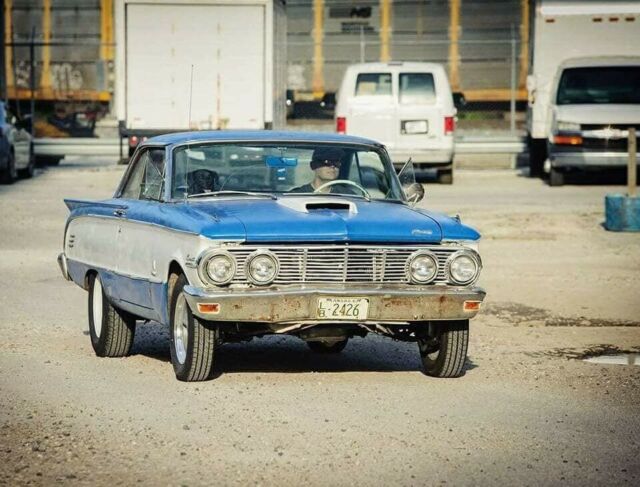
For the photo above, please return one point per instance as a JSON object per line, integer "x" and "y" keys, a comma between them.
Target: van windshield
{"x": 610, "y": 84}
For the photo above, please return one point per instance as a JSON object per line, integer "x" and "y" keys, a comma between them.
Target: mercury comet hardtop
{"x": 226, "y": 236}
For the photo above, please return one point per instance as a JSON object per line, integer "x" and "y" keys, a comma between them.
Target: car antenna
{"x": 190, "y": 96}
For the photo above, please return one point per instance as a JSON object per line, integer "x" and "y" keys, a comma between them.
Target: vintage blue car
{"x": 229, "y": 235}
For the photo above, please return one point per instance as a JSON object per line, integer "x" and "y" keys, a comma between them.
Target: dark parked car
{"x": 16, "y": 152}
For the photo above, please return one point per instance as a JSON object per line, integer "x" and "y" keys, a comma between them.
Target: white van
{"x": 406, "y": 106}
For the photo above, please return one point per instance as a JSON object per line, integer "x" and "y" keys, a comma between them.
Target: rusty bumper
{"x": 295, "y": 304}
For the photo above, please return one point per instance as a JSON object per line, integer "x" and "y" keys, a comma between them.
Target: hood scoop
{"x": 309, "y": 205}
{"x": 328, "y": 205}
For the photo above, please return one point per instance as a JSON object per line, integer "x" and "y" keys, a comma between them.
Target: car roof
{"x": 396, "y": 66}
{"x": 256, "y": 136}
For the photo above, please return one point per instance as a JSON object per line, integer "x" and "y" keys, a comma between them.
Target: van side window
{"x": 373, "y": 84}
{"x": 417, "y": 88}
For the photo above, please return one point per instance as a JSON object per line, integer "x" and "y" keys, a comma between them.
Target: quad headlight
{"x": 423, "y": 267}
{"x": 262, "y": 267}
{"x": 218, "y": 268}
{"x": 463, "y": 267}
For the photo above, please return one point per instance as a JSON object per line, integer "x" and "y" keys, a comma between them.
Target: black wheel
{"x": 193, "y": 341}
{"x": 10, "y": 174}
{"x": 27, "y": 172}
{"x": 111, "y": 329}
{"x": 328, "y": 347}
{"x": 445, "y": 176}
{"x": 444, "y": 349}
{"x": 556, "y": 177}
{"x": 537, "y": 156}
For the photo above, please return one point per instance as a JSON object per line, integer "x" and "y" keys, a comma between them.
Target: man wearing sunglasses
{"x": 325, "y": 162}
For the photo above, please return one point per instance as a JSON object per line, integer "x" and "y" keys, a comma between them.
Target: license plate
{"x": 343, "y": 308}
{"x": 415, "y": 127}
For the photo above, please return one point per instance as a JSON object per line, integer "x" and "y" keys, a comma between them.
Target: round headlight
{"x": 423, "y": 267}
{"x": 463, "y": 267}
{"x": 262, "y": 268}
{"x": 220, "y": 268}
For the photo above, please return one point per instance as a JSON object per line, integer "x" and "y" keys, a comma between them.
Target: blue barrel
{"x": 622, "y": 213}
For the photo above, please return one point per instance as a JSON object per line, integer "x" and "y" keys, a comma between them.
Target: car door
{"x": 137, "y": 234}
{"x": 372, "y": 108}
{"x": 420, "y": 117}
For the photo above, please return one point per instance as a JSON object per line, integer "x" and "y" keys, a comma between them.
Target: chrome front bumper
{"x": 297, "y": 303}
{"x": 589, "y": 159}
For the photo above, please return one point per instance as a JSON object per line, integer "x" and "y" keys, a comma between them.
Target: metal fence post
{"x": 362, "y": 44}
{"x": 512, "y": 119}
{"x": 32, "y": 78}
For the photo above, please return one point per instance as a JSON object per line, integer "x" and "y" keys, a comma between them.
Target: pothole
{"x": 618, "y": 359}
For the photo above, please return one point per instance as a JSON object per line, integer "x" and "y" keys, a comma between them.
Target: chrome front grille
{"x": 341, "y": 263}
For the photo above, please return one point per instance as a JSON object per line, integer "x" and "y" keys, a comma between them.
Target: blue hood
{"x": 291, "y": 220}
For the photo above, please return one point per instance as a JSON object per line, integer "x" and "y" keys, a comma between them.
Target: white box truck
{"x": 199, "y": 65}
{"x": 583, "y": 85}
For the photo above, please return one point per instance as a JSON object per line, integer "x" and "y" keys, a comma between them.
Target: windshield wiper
{"x": 232, "y": 193}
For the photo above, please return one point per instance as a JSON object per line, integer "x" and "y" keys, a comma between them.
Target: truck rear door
{"x": 372, "y": 108}
{"x": 225, "y": 46}
{"x": 420, "y": 118}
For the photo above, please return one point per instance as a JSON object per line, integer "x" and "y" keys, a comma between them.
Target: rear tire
{"x": 556, "y": 177}
{"x": 328, "y": 347}
{"x": 111, "y": 330}
{"x": 193, "y": 341}
{"x": 28, "y": 171}
{"x": 444, "y": 350}
{"x": 445, "y": 176}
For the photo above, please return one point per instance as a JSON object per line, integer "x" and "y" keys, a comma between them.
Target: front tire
{"x": 444, "y": 349}
{"x": 10, "y": 173}
{"x": 445, "y": 176}
{"x": 193, "y": 341}
{"x": 111, "y": 330}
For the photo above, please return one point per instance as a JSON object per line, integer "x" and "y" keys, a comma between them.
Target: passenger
{"x": 325, "y": 162}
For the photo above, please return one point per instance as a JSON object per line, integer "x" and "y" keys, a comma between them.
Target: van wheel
{"x": 111, "y": 329}
{"x": 444, "y": 349}
{"x": 445, "y": 176}
{"x": 556, "y": 177}
{"x": 193, "y": 341}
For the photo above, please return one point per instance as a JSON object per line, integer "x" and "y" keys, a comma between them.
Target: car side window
{"x": 146, "y": 180}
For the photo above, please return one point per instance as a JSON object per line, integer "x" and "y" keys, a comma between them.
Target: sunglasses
{"x": 335, "y": 164}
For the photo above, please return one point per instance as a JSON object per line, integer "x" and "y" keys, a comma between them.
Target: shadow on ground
{"x": 291, "y": 355}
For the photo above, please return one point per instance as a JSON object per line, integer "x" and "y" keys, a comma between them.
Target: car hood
{"x": 599, "y": 114}
{"x": 324, "y": 219}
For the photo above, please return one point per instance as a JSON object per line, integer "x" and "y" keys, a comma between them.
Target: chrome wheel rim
{"x": 181, "y": 329}
{"x": 97, "y": 306}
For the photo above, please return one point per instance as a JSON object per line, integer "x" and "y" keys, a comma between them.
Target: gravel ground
{"x": 527, "y": 411}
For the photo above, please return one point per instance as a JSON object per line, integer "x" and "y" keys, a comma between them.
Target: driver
{"x": 325, "y": 162}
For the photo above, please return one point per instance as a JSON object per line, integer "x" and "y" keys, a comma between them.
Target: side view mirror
{"x": 459, "y": 100}
{"x": 414, "y": 193}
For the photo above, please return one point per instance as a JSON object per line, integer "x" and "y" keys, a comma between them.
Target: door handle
{"x": 120, "y": 212}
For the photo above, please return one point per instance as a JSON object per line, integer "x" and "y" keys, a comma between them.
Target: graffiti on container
{"x": 64, "y": 76}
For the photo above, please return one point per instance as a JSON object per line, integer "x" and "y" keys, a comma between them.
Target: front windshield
{"x": 232, "y": 169}
{"x": 615, "y": 84}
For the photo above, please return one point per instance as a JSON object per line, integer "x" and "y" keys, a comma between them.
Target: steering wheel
{"x": 343, "y": 181}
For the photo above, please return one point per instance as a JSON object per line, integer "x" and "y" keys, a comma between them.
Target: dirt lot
{"x": 527, "y": 411}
